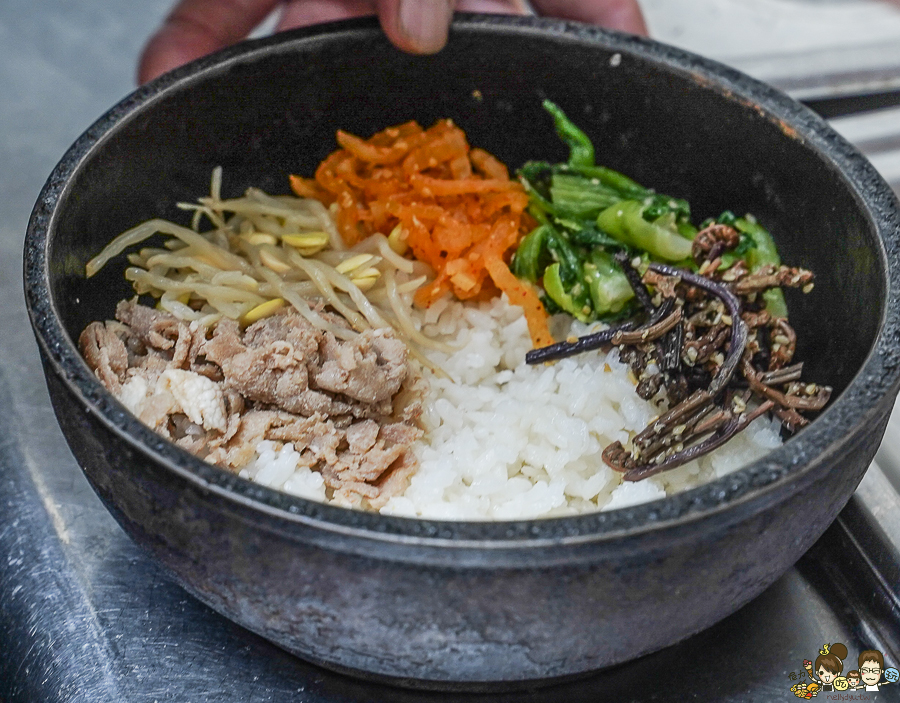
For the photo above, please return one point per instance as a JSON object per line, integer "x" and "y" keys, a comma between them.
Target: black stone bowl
{"x": 442, "y": 604}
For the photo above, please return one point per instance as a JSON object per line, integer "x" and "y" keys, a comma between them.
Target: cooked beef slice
{"x": 370, "y": 368}
{"x": 286, "y": 362}
{"x": 350, "y": 408}
{"x": 155, "y": 328}
{"x": 105, "y": 353}
{"x": 271, "y": 371}
{"x": 155, "y": 336}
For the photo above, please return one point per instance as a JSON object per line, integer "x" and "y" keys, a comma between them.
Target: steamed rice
{"x": 506, "y": 441}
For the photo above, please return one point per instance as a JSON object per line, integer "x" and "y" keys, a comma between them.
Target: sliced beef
{"x": 370, "y": 368}
{"x": 394, "y": 481}
{"x": 105, "y": 353}
{"x": 271, "y": 370}
{"x": 285, "y": 362}
{"x": 155, "y": 328}
{"x": 368, "y": 456}
{"x": 350, "y": 408}
{"x": 238, "y": 447}
{"x": 156, "y": 338}
{"x": 361, "y": 437}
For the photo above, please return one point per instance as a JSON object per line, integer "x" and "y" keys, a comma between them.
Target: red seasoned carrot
{"x": 521, "y": 293}
{"x": 456, "y": 207}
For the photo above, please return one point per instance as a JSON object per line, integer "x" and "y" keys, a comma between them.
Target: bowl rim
{"x": 862, "y": 403}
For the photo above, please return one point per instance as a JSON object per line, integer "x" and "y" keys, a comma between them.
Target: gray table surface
{"x": 84, "y": 615}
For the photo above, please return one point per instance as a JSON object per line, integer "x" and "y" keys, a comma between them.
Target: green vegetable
{"x": 686, "y": 230}
{"x": 579, "y": 197}
{"x": 581, "y": 150}
{"x": 618, "y": 182}
{"x": 762, "y": 253}
{"x": 559, "y": 293}
{"x": 625, "y": 221}
{"x": 590, "y": 237}
{"x": 568, "y": 253}
{"x": 571, "y": 275}
{"x": 609, "y": 287}
{"x": 659, "y": 205}
{"x": 565, "y": 254}
{"x": 727, "y": 218}
{"x": 527, "y": 260}
{"x": 536, "y": 172}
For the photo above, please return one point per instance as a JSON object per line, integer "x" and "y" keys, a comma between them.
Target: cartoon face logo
{"x": 870, "y": 673}
{"x": 825, "y": 676}
{"x": 891, "y": 674}
{"x": 841, "y": 684}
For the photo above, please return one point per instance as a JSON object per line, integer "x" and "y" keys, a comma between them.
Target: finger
{"x": 497, "y": 7}
{"x": 197, "y": 27}
{"x": 624, "y": 15}
{"x": 300, "y": 13}
{"x": 420, "y": 26}
{"x": 417, "y": 26}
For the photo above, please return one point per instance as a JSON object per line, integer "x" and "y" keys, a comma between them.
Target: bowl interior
{"x": 656, "y": 114}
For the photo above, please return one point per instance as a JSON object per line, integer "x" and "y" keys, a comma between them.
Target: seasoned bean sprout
{"x": 264, "y": 252}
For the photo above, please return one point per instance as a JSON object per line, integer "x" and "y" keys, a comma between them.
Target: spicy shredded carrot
{"x": 456, "y": 207}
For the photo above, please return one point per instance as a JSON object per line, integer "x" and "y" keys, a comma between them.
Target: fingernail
{"x": 425, "y": 23}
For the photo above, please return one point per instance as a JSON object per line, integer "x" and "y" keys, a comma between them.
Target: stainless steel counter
{"x": 85, "y": 616}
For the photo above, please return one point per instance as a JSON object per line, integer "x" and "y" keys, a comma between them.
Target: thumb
{"x": 417, "y": 26}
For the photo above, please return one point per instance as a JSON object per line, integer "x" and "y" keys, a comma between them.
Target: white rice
{"x": 507, "y": 441}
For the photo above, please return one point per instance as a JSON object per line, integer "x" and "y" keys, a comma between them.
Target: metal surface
{"x": 86, "y": 616}
{"x": 811, "y": 49}
{"x": 877, "y": 133}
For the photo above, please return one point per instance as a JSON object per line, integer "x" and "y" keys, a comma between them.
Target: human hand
{"x": 198, "y": 27}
